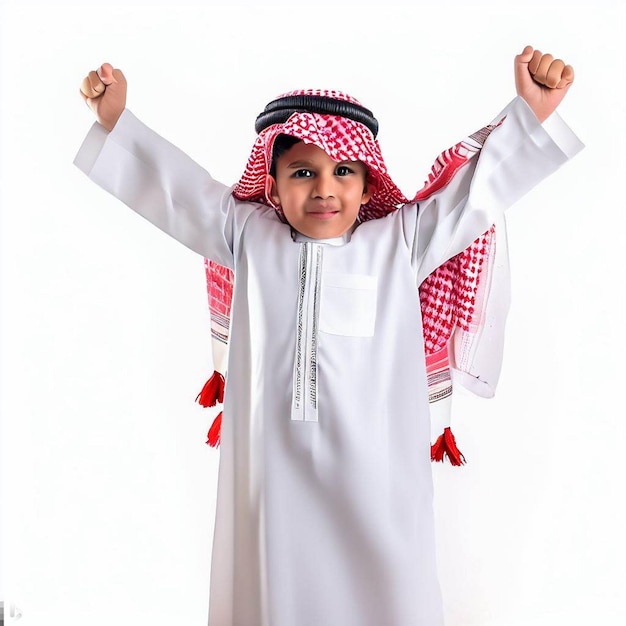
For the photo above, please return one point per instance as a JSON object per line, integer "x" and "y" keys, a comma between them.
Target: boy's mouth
{"x": 322, "y": 215}
{"x": 322, "y": 210}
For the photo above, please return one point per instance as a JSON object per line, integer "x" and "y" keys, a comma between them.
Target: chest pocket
{"x": 348, "y": 304}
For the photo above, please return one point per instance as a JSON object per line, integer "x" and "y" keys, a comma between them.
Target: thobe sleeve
{"x": 471, "y": 186}
{"x": 517, "y": 154}
{"x": 164, "y": 185}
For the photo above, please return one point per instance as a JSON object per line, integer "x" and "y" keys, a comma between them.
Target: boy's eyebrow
{"x": 300, "y": 164}
{"x": 296, "y": 164}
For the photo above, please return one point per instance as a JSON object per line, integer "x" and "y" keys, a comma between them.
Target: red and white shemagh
{"x": 449, "y": 297}
{"x": 340, "y": 138}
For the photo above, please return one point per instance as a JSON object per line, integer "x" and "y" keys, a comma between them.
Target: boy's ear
{"x": 368, "y": 191}
{"x": 271, "y": 191}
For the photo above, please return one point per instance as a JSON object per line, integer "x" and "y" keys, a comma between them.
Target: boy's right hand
{"x": 105, "y": 92}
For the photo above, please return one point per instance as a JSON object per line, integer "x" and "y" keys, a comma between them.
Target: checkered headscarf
{"x": 342, "y": 138}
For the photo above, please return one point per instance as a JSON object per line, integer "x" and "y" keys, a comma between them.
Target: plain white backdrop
{"x": 107, "y": 486}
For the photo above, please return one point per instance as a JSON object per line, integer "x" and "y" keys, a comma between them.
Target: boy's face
{"x": 319, "y": 197}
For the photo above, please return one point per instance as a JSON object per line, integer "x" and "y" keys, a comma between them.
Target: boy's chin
{"x": 323, "y": 231}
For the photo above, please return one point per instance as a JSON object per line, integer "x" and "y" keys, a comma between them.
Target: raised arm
{"x": 153, "y": 177}
{"x": 473, "y": 182}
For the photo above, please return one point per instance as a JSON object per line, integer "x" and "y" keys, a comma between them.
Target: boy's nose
{"x": 323, "y": 186}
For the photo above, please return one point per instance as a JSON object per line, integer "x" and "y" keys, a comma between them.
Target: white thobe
{"x": 324, "y": 508}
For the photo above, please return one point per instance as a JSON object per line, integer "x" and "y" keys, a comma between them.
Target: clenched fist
{"x": 542, "y": 80}
{"x": 104, "y": 91}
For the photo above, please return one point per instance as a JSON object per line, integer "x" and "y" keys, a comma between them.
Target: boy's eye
{"x": 303, "y": 173}
{"x": 343, "y": 170}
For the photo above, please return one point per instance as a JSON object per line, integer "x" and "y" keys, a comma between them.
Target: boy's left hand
{"x": 542, "y": 81}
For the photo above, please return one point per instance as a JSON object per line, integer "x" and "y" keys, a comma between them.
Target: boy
{"x": 324, "y": 511}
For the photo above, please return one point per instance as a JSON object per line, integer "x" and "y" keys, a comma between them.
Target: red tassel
{"x": 213, "y": 436}
{"x": 213, "y": 391}
{"x": 446, "y": 446}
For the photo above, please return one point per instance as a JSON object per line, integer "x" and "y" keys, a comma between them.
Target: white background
{"x": 107, "y": 486}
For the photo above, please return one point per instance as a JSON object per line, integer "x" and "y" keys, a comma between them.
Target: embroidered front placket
{"x": 305, "y": 390}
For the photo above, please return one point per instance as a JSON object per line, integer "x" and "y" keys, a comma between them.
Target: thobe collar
{"x": 333, "y": 241}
